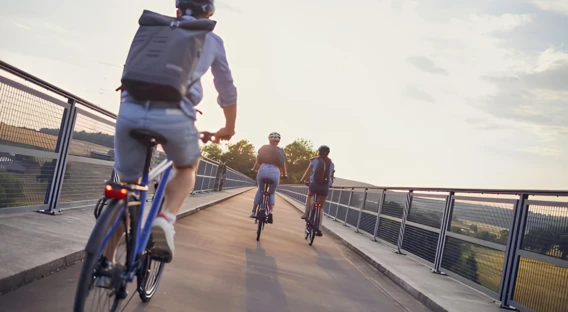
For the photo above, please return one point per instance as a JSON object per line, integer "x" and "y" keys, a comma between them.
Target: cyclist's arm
{"x": 223, "y": 78}
{"x": 256, "y": 165}
{"x": 333, "y": 177}
{"x": 283, "y": 170}
{"x": 307, "y": 173}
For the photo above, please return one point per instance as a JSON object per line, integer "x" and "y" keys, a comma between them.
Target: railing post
{"x": 444, "y": 228}
{"x": 203, "y": 177}
{"x": 512, "y": 259}
{"x": 338, "y": 202}
{"x": 379, "y": 209}
{"x": 348, "y": 205}
{"x": 62, "y": 148}
{"x": 405, "y": 214}
{"x": 361, "y": 210}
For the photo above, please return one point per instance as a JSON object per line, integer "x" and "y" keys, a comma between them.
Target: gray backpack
{"x": 163, "y": 56}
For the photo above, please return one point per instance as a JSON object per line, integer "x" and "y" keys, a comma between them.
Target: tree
{"x": 539, "y": 240}
{"x": 503, "y": 236}
{"x": 241, "y": 157}
{"x": 298, "y": 154}
{"x": 471, "y": 266}
{"x": 11, "y": 189}
{"x": 212, "y": 151}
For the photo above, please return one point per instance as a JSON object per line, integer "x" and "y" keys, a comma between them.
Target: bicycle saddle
{"x": 147, "y": 137}
{"x": 267, "y": 181}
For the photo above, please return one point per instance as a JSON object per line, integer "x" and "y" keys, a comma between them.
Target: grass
{"x": 542, "y": 287}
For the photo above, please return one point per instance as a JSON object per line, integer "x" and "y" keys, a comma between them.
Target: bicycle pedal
{"x": 160, "y": 256}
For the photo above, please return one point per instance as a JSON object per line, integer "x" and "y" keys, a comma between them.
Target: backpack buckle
{"x": 174, "y": 24}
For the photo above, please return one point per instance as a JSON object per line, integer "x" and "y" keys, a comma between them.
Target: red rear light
{"x": 113, "y": 193}
{"x": 317, "y": 205}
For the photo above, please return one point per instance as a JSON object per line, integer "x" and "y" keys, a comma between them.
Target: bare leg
{"x": 321, "y": 200}
{"x": 309, "y": 203}
{"x": 179, "y": 188}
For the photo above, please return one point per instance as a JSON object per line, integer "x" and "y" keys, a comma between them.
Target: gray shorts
{"x": 182, "y": 137}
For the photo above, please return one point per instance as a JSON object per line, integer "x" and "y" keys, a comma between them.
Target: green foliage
{"x": 241, "y": 157}
{"x": 298, "y": 154}
{"x": 212, "y": 151}
{"x": 474, "y": 228}
{"x": 11, "y": 189}
{"x": 470, "y": 266}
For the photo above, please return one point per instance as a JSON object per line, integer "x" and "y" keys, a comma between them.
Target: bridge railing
{"x": 56, "y": 149}
{"x": 509, "y": 244}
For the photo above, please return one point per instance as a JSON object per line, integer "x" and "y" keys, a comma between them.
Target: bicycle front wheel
{"x": 92, "y": 282}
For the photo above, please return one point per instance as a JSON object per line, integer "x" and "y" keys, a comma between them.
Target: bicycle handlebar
{"x": 206, "y": 136}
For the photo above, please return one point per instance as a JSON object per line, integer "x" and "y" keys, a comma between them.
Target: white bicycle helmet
{"x": 274, "y": 136}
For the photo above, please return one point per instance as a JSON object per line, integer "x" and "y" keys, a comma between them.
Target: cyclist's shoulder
{"x": 216, "y": 38}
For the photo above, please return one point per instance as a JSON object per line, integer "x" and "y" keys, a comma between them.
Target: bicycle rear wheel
{"x": 97, "y": 275}
{"x": 259, "y": 229}
{"x": 313, "y": 227}
{"x": 150, "y": 273}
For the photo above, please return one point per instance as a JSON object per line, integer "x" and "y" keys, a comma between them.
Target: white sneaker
{"x": 163, "y": 234}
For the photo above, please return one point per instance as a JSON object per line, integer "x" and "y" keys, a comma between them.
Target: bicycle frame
{"x": 141, "y": 240}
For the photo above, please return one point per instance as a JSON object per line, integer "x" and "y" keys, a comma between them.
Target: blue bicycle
{"x": 124, "y": 203}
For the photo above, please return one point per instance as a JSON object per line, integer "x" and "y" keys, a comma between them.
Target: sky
{"x": 431, "y": 93}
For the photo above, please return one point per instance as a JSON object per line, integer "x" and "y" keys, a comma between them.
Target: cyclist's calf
{"x": 179, "y": 187}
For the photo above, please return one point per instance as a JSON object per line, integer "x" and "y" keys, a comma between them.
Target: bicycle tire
{"x": 313, "y": 227}
{"x": 92, "y": 256}
{"x": 260, "y": 227}
{"x": 147, "y": 290}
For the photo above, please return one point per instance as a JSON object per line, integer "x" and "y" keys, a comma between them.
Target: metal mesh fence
{"x": 28, "y": 120}
{"x": 93, "y": 136}
{"x": 483, "y": 219}
{"x": 234, "y": 179}
{"x": 475, "y": 245}
{"x": 84, "y": 181}
{"x": 205, "y": 178}
{"x": 547, "y": 230}
{"x": 542, "y": 286}
{"x": 27, "y": 150}
{"x": 477, "y": 263}
{"x": 26, "y": 184}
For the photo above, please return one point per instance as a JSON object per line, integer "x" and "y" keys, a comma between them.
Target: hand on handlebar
{"x": 224, "y": 134}
{"x": 206, "y": 136}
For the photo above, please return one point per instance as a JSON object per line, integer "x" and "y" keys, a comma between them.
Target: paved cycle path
{"x": 219, "y": 266}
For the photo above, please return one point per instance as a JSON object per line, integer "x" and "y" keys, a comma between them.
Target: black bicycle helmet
{"x": 197, "y": 7}
{"x": 323, "y": 150}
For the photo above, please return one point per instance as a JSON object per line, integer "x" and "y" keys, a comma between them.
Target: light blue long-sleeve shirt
{"x": 213, "y": 56}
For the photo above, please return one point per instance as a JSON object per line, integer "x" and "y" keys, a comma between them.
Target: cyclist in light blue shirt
{"x": 321, "y": 171}
{"x": 176, "y": 123}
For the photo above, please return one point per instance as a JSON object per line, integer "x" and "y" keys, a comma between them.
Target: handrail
{"x": 44, "y": 84}
{"x": 455, "y": 190}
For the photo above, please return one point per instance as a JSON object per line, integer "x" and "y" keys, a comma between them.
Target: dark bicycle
{"x": 124, "y": 203}
{"x": 264, "y": 213}
{"x": 313, "y": 220}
